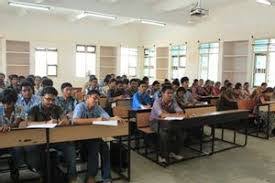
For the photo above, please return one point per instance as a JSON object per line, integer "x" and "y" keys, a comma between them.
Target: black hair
{"x": 155, "y": 83}
{"x": 13, "y": 76}
{"x": 195, "y": 81}
{"x": 49, "y": 90}
{"x": 46, "y": 82}
{"x": 25, "y": 83}
{"x": 119, "y": 82}
{"x": 2, "y": 74}
{"x": 92, "y": 92}
{"x": 246, "y": 83}
{"x": 184, "y": 79}
{"x": 142, "y": 82}
{"x": 133, "y": 80}
{"x": 126, "y": 81}
{"x": 37, "y": 77}
{"x": 176, "y": 82}
{"x": 92, "y": 78}
{"x": 238, "y": 86}
{"x": 228, "y": 85}
{"x": 264, "y": 84}
{"x": 166, "y": 87}
{"x": 112, "y": 80}
{"x": 30, "y": 80}
{"x": 181, "y": 89}
{"x": 65, "y": 85}
{"x": 8, "y": 95}
{"x": 268, "y": 90}
{"x": 145, "y": 78}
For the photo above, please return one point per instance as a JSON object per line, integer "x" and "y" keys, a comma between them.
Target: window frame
{"x": 207, "y": 54}
{"x": 152, "y": 63}
{"x": 85, "y": 52}
{"x": 46, "y": 50}
{"x": 128, "y": 56}
{"x": 178, "y": 56}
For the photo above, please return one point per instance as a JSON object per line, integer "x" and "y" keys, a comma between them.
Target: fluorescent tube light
{"x": 265, "y": 2}
{"x": 99, "y": 15}
{"x": 29, "y": 6}
{"x": 153, "y": 22}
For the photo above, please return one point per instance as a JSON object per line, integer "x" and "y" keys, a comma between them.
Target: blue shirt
{"x": 140, "y": 99}
{"x": 82, "y": 111}
{"x": 25, "y": 106}
{"x": 68, "y": 105}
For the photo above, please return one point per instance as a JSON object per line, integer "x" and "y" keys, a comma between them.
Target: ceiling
{"x": 167, "y": 11}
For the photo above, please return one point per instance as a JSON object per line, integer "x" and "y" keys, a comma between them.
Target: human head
{"x": 134, "y": 83}
{"x": 67, "y": 89}
{"x": 48, "y": 96}
{"x": 46, "y": 82}
{"x": 125, "y": 83}
{"x": 8, "y": 97}
{"x": 119, "y": 85}
{"x": 184, "y": 82}
{"x": 268, "y": 92}
{"x": 263, "y": 86}
{"x": 26, "y": 89}
{"x": 2, "y": 77}
{"x": 14, "y": 80}
{"x": 167, "y": 93}
{"x": 195, "y": 82}
{"x": 201, "y": 82}
{"x": 246, "y": 85}
{"x": 92, "y": 98}
{"x": 37, "y": 81}
{"x": 93, "y": 81}
{"x": 180, "y": 92}
{"x": 238, "y": 86}
{"x": 142, "y": 86}
{"x": 146, "y": 80}
{"x": 156, "y": 85}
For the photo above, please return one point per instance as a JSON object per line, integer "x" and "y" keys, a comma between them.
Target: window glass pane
{"x": 132, "y": 71}
{"x": 146, "y": 62}
{"x": 52, "y": 58}
{"x": 52, "y": 70}
{"x": 91, "y": 49}
{"x": 213, "y": 69}
{"x": 175, "y": 61}
{"x": 204, "y": 61}
{"x": 182, "y": 62}
{"x": 261, "y": 45}
{"x": 260, "y": 62}
{"x": 132, "y": 61}
{"x": 90, "y": 63}
{"x": 146, "y": 72}
{"x": 80, "y": 65}
{"x": 80, "y": 48}
{"x": 259, "y": 78}
{"x": 40, "y": 63}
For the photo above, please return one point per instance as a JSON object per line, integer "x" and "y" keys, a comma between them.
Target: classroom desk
{"x": 210, "y": 99}
{"x": 22, "y": 137}
{"x": 26, "y": 137}
{"x": 214, "y": 120}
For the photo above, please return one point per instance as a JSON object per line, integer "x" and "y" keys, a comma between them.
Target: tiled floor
{"x": 252, "y": 164}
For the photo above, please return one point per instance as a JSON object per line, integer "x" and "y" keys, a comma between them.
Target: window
{"x": 178, "y": 61}
{"x": 149, "y": 63}
{"x": 264, "y": 62}
{"x": 129, "y": 58}
{"x": 46, "y": 61}
{"x": 85, "y": 60}
{"x": 209, "y": 58}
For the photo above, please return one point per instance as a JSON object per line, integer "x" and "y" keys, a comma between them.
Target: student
{"x": 26, "y": 99}
{"x": 246, "y": 91}
{"x": 141, "y": 100}
{"x": 207, "y": 87}
{"x": 93, "y": 85}
{"x": 180, "y": 97}
{"x": 8, "y": 120}
{"x": 154, "y": 88}
{"x": 227, "y": 100}
{"x": 146, "y": 80}
{"x": 37, "y": 83}
{"x": 216, "y": 89}
{"x": 14, "y": 83}
{"x": 188, "y": 95}
{"x": 48, "y": 111}
{"x": 170, "y": 140}
{"x": 111, "y": 85}
{"x": 2, "y": 82}
{"x": 175, "y": 84}
{"x": 261, "y": 99}
{"x": 86, "y": 113}
{"x": 45, "y": 83}
{"x": 133, "y": 87}
{"x": 194, "y": 89}
{"x": 125, "y": 84}
{"x": 237, "y": 91}
{"x": 200, "y": 89}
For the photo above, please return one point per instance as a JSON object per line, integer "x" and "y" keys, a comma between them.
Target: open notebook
{"x": 174, "y": 118}
{"x": 106, "y": 123}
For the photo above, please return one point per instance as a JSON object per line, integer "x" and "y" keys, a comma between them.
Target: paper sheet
{"x": 174, "y": 118}
{"x": 106, "y": 123}
{"x": 42, "y": 125}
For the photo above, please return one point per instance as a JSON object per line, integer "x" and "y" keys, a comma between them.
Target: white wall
{"x": 54, "y": 31}
{"x": 236, "y": 22}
